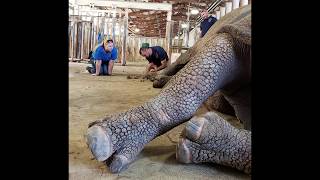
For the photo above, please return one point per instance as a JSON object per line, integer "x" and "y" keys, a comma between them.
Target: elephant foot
{"x": 212, "y": 139}
{"x": 117, "y": 140}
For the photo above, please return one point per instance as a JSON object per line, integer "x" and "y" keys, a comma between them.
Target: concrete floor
{"x": 92, "y": 97}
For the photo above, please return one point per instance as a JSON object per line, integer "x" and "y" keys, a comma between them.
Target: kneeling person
{"x": 104, "y": 57}
{"x": 156, "y": 55}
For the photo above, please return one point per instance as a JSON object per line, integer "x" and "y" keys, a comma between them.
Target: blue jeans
{"x": 103, "y": 68}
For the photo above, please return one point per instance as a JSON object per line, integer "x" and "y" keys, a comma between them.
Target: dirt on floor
{"x": 93, "y": 97}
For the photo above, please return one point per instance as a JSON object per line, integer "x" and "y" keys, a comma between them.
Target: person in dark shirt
{"x": 207, "y": 22}
{"x": 156, "y": 56}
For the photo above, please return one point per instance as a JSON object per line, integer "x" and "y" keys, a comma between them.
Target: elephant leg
{"x": 219, "y": 103}
{"x": 240, "y": 100}
{"x": 210, "y": 138}
{"x": 160, "y": 81}
{"x": 120, "y": 137}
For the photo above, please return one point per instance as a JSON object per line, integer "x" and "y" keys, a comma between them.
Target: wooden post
{"x": 125, "y": 36}
{"x": 228, "y": 7}
{"x": 218, "y": 14}
{"x": 243, "y": 2}
{"x": 235, "y": 4}
{"x": 169, "y": 35}
{"x": 222, "y": 11}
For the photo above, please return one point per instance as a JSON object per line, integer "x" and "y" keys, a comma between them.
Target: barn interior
{"x": 171, "y": 24}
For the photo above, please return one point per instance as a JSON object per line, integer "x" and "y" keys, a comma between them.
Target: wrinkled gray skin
{"x": 224, "y": 64}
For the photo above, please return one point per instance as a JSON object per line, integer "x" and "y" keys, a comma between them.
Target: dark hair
{"x": 90, "y": 54}
{"x": 204, "y": 10}
{"x": 109, "y": 41}
{"x": 141, "y": 50}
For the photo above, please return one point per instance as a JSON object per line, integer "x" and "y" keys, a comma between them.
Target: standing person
{"x": 207, "y": 22}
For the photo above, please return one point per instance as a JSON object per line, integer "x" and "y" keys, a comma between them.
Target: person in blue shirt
{"x": 100, "y": 38}
{"x": 156, "y": 56}
{"x": 104, "y": 57}
{"x": 207, "y": 22}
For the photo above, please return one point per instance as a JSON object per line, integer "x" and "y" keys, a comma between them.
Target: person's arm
{"x": 98, "y": 58}
{"x": 114, "y": 56}
{"x": 110, "y": 67}
{"x": 213, "y": 20}
{"x": 164, "y": 59}
{"x": 149, "y": 67}
{"x": 98, "y": 66}
{"x": 201, "y": 30}
{"x": 163, "y": 65}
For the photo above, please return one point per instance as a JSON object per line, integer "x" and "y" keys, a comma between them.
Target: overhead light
{"x": 184, "y": 25}
{"x": 194, "y": 11}
{"x": 176, "y": 37}
{"x": 136, "y": 30}
{"x": 95, "y": 21}
{"x": 114, "y": 14}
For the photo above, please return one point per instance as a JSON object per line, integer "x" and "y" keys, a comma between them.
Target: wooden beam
{"x": 189, "y": 1}
{"x": 145, "y": 16}
{"x": 179, "y": 18}
{"x": 127, "y": 4}
{"x": 146, "y": 21}
{"x": 137, "y": 13}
